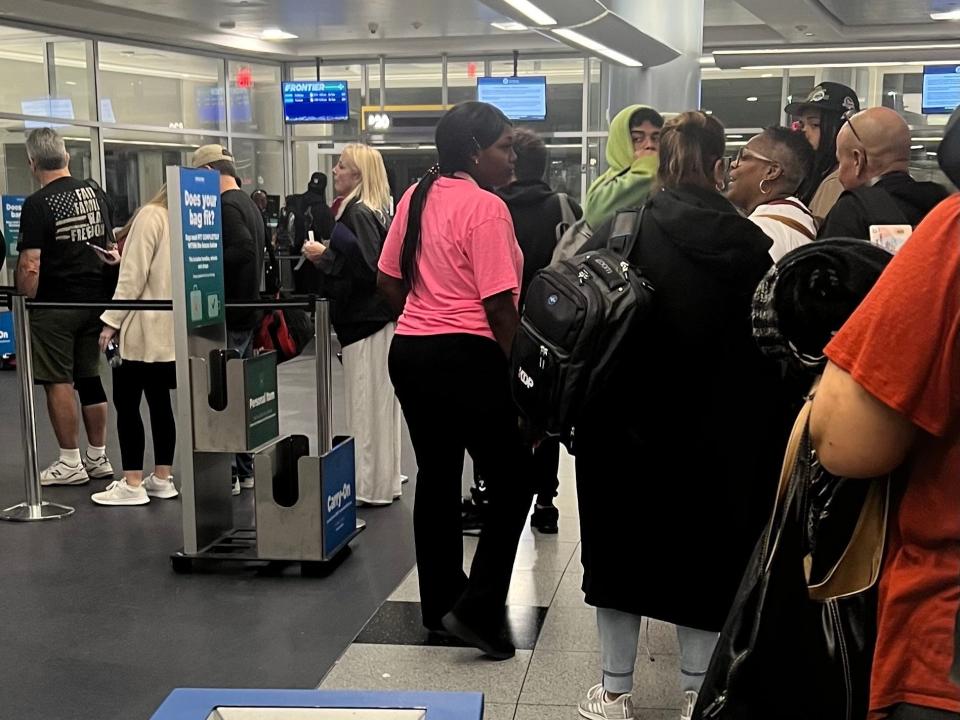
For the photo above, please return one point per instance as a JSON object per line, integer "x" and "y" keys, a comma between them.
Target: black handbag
{"x": 783, "y": 653}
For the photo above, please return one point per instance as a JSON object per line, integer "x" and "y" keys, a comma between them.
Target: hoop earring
{"x": 762, "y": 191}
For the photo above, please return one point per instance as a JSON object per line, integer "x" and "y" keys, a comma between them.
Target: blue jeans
{"x": 619, "y": 636}
{"x": 242, "y": 342}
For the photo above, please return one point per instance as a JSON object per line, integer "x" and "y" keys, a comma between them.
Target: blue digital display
{"x": 941, "y": 89}
{"x": 519, "y": 98}
{"x": 322, "y": 101}
{"x": 211, "y": 109}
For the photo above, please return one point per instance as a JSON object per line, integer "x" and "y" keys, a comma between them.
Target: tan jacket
{"x": 826, "y": 196}
{"x": 145, "y": 335}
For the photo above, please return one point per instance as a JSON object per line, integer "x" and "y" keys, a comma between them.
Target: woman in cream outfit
{"x": 365, "y": 324}
{"x": 148, "y": 367}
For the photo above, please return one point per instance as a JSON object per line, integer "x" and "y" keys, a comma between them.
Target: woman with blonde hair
{"x": 147, "y": 359}
{"x": 363, "y": 320}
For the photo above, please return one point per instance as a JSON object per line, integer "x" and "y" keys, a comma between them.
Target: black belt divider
{"x": 296, "y": 490}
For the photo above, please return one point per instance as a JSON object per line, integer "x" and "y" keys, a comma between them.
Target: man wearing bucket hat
{"x": 821, "y": 116}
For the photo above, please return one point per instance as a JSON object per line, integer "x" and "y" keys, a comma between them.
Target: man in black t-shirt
{"x": 243, "y": 246}
{"x": 64, "y": 234}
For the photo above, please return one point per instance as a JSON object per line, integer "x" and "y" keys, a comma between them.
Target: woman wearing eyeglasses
{"x": 764, "y": 179}
{"x": 820, "y": 117}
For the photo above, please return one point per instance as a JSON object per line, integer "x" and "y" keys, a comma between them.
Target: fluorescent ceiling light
{"x": 752, "y": 98}
{"x": 575, "y": 37}
{"x": 532, "y": 12}
{"x": 836, "y": 49}
{"x": 948, "y": 15}
{"x": 275, "y": 33}
{"x": 511, "y": 26}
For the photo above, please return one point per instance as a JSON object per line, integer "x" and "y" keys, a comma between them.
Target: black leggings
{"x": 131, "y": 381}
{"x": 455, "y": 395}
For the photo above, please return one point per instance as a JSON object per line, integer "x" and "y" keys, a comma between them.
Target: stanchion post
{"x": 324, "y": 378}
{"x": 34, "y": 508}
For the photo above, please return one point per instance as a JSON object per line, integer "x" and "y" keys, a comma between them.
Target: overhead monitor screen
{"x": 519, "y": 98}
{"x": 49, "y": 107}
{"x": 323, "y": 101}
{"x": 211, "y": 108}
{"x": 941, "y": 89}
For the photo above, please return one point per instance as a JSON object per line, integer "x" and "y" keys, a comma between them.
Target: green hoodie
{"x": 628, "y": 180}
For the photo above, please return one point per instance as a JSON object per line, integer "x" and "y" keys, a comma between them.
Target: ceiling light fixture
{"x": 752, "y": 98}
{"x": 532, "y": 12}
{"x": 597, "y": 47}
{"x": 509, "y": 26}
{"x": 947, "y": 15}
{"x": 275, "y": 33}
{"x": 838, "y": 49}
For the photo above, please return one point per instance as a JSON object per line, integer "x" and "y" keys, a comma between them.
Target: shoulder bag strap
{"x": 792, "y": 224}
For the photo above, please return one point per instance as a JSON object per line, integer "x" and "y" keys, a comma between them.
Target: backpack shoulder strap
{"x": 624, "y": 231}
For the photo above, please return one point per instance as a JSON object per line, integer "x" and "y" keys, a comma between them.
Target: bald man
{"x": 873, "y": 149}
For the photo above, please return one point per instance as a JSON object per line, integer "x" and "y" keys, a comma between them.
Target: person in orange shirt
{"x": 890, "y": 398}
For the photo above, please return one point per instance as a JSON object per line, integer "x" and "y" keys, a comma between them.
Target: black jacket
{"x": 317, "y": 215}
{"x": 348, "y": 275}
{"x": 536, "y": 213}
{"x": 243, "y": 247}
{"x": 677, "y": 461}
{"x": 851, "y": 217}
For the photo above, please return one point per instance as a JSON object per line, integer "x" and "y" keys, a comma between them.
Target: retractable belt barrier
{"x": 34, "y": 507}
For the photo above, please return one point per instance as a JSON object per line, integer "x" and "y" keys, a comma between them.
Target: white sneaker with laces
{"x": 119, "y": 493}
{"x": 246, "y": 483}
{"x": 689, "y": 703}
{"x": 98, "y": 468}
{"x": 595, "y": 707}
{"x": 236, "y": 486}
{"x": 60, "y": 473}
{"x": 160, "y": 488}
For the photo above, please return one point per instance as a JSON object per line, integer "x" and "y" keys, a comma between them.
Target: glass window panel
{"x": 256, "y": 103}
{"x": 462, "y": 80}
{"x": 343, "y": 131}
{"x": 259, "y": 164}
{"x": 70, "y": 77}
{"x": 743, "y": 102}
{"x": 152, "y": 86}
{"x": 22, "y": 67}
{"x": 564, "y": 167}
{"x": 136, "y": 164}
{"x": 564, "y": 90}
{"x": 799, "y": 87}
{"x": 414, "y": 83}
{"x": 15, "y": 175}
{"x": 595, "y": 102}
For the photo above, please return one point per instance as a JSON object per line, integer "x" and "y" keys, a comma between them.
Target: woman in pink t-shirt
{"x": 451, "y": 263}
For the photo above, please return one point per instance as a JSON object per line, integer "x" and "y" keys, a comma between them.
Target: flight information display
{"x": 519, "y": 98}
{"x": 941, "y": 89}
{"x": 320, "y": 101}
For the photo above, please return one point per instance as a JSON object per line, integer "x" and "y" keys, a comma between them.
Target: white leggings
{"x": 619, "y": 636}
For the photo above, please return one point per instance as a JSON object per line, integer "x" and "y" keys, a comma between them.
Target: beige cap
{"x": 210, "y": 154}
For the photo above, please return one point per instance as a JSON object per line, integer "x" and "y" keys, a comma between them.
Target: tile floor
{"x": 540, "y": 684}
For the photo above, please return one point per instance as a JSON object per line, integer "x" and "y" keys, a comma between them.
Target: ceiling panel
{"x": 886, "y": 12}
{"x": 723, "y": 13}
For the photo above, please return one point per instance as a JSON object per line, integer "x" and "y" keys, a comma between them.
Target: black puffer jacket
{"x": 678, "y": 463}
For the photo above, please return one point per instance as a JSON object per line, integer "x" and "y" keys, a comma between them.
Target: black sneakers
{"x": 545, "y": 519}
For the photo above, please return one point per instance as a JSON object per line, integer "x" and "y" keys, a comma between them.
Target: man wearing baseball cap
{"x": 244, "y": 241}
{"x": 821, "y": 116}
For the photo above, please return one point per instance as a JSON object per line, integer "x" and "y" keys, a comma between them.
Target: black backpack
{"x": 576, "y": 316}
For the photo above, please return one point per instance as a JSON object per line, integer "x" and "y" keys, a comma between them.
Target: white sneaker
{"x": 689, "y": 703}
{"x": 246, "y": 483}
{"x": 236, "y": 486}
{"x": 594, "y": 707}
{"x": 60, "y": 473}
{"x": 98, "y": 468}
{"x": 119, "y": 493}
{"x": 158, "y": 488}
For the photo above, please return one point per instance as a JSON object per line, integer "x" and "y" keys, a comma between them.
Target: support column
{"x": 675, "y": 86}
